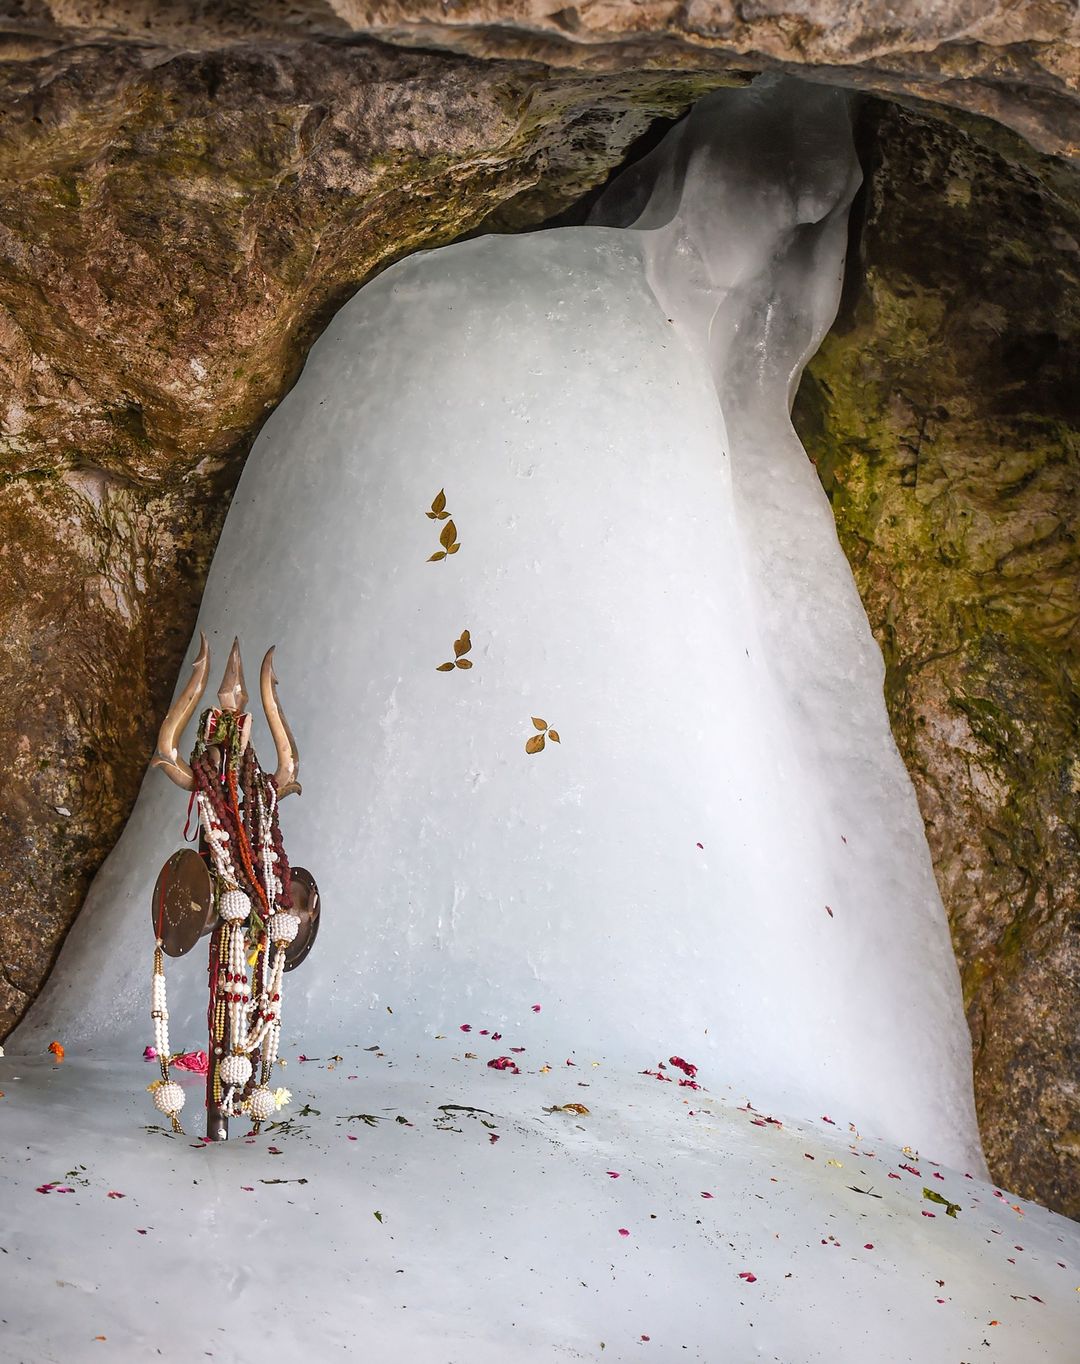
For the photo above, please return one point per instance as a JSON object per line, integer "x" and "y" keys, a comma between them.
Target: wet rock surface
{"x": 1016, "y": 64}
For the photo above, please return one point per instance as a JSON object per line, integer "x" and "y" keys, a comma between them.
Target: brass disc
{"x": 307, "y": 905}
{"x": 182, "y": 908}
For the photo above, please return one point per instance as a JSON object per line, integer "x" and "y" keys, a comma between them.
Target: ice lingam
{"x": 565, "y": 459}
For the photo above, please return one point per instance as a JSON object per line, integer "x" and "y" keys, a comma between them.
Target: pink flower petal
{"x": 115, "y": 1193}
{"x": 750, "y": 1278}
{"x": 536, "y": 1008}
{"x": 705, "y": 1195}
{"x": 624, "y": 1231}
{"x": 149, "y": 1054}
{"x": 612, "y": 1174}
{"x": 195, "y": 1061}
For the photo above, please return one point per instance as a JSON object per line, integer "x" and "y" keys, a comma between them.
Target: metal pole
{"x": 217, "y": 1124}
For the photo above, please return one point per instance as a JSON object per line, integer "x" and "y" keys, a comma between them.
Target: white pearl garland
{"x": 235, "y": 1071}
{"x": 169, "y": 1098}
{"x": 283, "y": 927}
{"x": 160, "y": 1015}
{"x": 261, "y": 1104}
{"x": 234, "y": 906}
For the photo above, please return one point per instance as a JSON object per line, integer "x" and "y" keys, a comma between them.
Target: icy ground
{"x": 427, "y": 1208}
{"x": 720, "y": 859}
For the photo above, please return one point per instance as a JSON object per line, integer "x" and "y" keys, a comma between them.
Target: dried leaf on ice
{"x": 951, "y": 1209}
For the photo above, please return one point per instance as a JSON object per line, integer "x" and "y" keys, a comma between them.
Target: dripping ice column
{"x": 743, "y": 215}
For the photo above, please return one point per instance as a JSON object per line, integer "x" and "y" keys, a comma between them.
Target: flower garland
{"x": 237, "y": 807}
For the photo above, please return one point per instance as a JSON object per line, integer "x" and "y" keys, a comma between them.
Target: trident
{"x": 238, "y": 888}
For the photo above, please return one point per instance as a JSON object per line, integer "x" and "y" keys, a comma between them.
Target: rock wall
{"x": 943, "y": 413}
{"x": 186, "y": 194}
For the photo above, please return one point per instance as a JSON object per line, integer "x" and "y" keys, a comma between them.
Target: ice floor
{"x": 427, "y": 1208}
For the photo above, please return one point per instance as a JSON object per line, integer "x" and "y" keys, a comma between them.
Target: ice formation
{"x": 720, "y": 859}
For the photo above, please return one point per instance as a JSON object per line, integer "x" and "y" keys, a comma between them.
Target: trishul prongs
{"x": 232, "y": 694}
{"x": 287, "y": 756}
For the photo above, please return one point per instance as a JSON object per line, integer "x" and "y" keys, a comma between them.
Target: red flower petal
{"x": 623, "y": 1231}
{"x": 504, "y": 1063}
{"x": 750, "y": 1278}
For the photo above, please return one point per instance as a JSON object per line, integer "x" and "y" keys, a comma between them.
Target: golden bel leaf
{"x": 575, "y": 1108}
{"x": 430, "y": 516}
{"x": 434, "y": 558}
{"x": 445, "y": 668}
{"x": 442, "y": 516}
{"x": 448, "y": 535}
{"x": 464, "y": 663}
{"x": 535, "y": 744}
{"x": 553, "y": 735}
{"x": 539, "y": 724}
{"x": 440, "y": 501}
{"x": 453, "y": 549}
{"x": 462, "y": 645}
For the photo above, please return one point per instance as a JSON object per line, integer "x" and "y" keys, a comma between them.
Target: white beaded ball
{"x": 283, "y": 927}
{"x": 233, "y": 906}
{"x": 261, "y": 1104}
{"x": 169, "y": 1098}
{"x": 235, "y": 1070}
